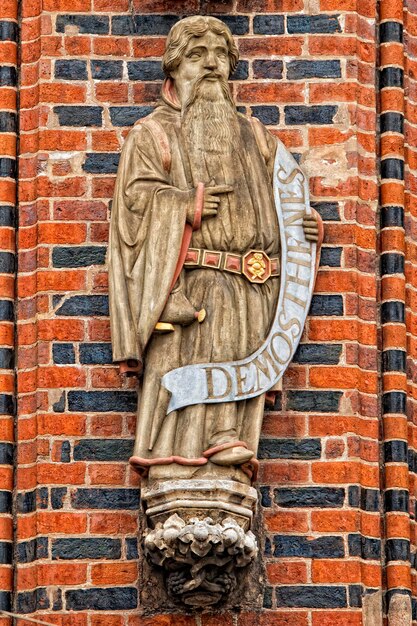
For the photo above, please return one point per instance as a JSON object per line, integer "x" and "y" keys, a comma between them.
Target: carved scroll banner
{"x": 260, "y": 371}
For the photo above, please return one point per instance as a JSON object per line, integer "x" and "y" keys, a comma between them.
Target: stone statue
{"x": 195, "y": 268}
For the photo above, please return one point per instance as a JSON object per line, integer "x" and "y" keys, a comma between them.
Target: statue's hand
{"x": 311, "y": 227}
{"x": 131, "y": 367}
{"x": 212, "y": 199}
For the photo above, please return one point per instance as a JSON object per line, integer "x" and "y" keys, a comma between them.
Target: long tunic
{"x": 148, "y": 219}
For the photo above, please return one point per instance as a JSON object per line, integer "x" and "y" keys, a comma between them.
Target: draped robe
{"x": 154, "y": 188}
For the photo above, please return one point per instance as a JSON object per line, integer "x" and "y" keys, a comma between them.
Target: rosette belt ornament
{"x": 255, "y": 265}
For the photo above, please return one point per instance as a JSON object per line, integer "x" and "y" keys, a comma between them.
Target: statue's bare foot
{"x": 232, "y": 456}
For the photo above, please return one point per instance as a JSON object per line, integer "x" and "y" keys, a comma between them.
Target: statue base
{"x": 198, "y": 533}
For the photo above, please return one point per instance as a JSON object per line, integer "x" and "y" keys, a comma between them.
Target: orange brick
{"x": 57, "y": 474}
{"x": 343, "y": 618}
{"x": 334, "y": 571}
{"x": 59, "y": 522}
{"x": 60, "y": 376}
{"x": 288, "y": 521}
{"x": 335, "y": 521}
{"x": 114, "y": 573}
{"x": 50, "y": 232}
{"x": 286, "y": 573}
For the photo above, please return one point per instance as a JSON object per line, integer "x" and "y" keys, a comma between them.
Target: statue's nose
{"x": 211, "y": 62}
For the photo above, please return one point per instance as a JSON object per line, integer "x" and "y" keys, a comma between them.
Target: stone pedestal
{"x": 199, "y": 533}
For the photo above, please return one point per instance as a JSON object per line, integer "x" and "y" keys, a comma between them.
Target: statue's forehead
{"x": 209, "y": 39}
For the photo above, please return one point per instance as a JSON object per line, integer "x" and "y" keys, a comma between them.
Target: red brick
{"x": 62, "y": 523}
{"x": 286, "y": 573}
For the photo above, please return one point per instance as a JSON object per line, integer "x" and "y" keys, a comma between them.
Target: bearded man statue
{"x": 193, "y": 203}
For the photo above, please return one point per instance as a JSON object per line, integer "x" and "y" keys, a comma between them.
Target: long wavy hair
{"x": 195, "y": 26}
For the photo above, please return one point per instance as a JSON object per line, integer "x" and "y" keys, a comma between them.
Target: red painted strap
{"x": 188, "y": 230}
{"x": 142, "y": 465}
{"x": 224, "y": 446}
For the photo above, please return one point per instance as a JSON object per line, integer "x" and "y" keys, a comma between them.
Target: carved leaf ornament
{"x": 260, "y": 371}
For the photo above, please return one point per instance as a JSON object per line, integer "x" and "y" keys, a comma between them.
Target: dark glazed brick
{"x": 298, "y": 546}
{"x": 103, "y": 450}
{"x": 391, "y": 77}
{"x": 312, "y": 597}
{"x": 127, "y": 116}
{"x": 59, "y": 407}
{"x": 78, "y": 256}
{"x": 132, "y": 552}
{"x": 394, "y": 402}
{"x": 145, "y": 70}
{"x": 355, "y": 596}
{"x": 70, "y": 548}
{"x": 29, "y": 551}
{"x": 329, "y": 211}
{"x": 102, "y": 401}
{"x": 326, "y": 305}
{"x": 6, "y": 552}
{"x": 318, "y": 353}
{"x": 57, "y": 600}
{"x": 71, "y": 70}
{"x": 392, "y": 312}
{"x": 320, "y": 401}
{"x": 154, "y": 24}
{"x": 7, "y": 167}
{"x": 42, "y": 498}
{"x": 396, "y": 500}
{"x": 299, "y": 115}
{"x": 57, "y": 497}
{"x": 26, "y": 501}
{"x": 8, "y": 76}
{"x": 101, "y": 162}
{"x": 6, "y": 311}
{"x": 289, "y": 449}
{"x": 6, "y": 453}
{"x": 392, "y": 216}
{"x": 313, "y": 24}
{"x": 267, "y": 600}
{"x": 8, "y": 122}
{"x": 241, "y": 72}
{"x": 392, "y": 263}
{"x": 8, "y": 31}
{"x": 79, "y": 115}
{"x": 65, "y": 452}
{"x": 7, "y": 404}
{"x": 268, "y": 24}
{"x": 316, "y": 497}
{"x": 106, "y": 70}
{"x": 5, "y": 601}
{"x": 392, "y": 168}
{"x": 394, "y": 360}
{"x": 123, "y": 25}
{"x": 85, "y": 305}
{"x": 266, "y": 500}
{"x": 392, "y": 122}
{"x": 367, "y": 548}
{"x": 267, "y": 69}
{"x": 391, "y": 31}
{"x": 106, "y": 599}
{"x": 238, "y": 24}
{"x": 63, "y": 353}
{"x": 96, "y": 353}
{"x": 87, "y": 24}
{"x": 6, "y": 359}
{"x": 7, "y": 216}
{"x": 31, "y": 601}
{"x": 266, "y": 114}
{"x": 300, "y": 70}
{"x": 397, "y": 550}
{"x": 331, "y": 257}
{"x": 7, "y": 263}
{"x": 111, "y": 499}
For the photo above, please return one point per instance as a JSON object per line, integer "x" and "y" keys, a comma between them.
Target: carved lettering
{"x": 212, "y": 384}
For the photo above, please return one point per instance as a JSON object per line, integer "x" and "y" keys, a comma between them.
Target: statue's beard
{"x": 209, "y": 119}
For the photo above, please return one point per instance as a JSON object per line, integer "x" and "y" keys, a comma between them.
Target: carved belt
{"x": 255, "y": 265}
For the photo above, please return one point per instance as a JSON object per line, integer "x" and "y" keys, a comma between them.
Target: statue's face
{"x": 203, "y": 55}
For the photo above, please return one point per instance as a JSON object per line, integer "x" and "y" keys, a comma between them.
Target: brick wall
{"x": 89, "y": 69}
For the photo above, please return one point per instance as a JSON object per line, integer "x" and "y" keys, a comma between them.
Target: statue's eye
{"x": 194, "y": 55}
